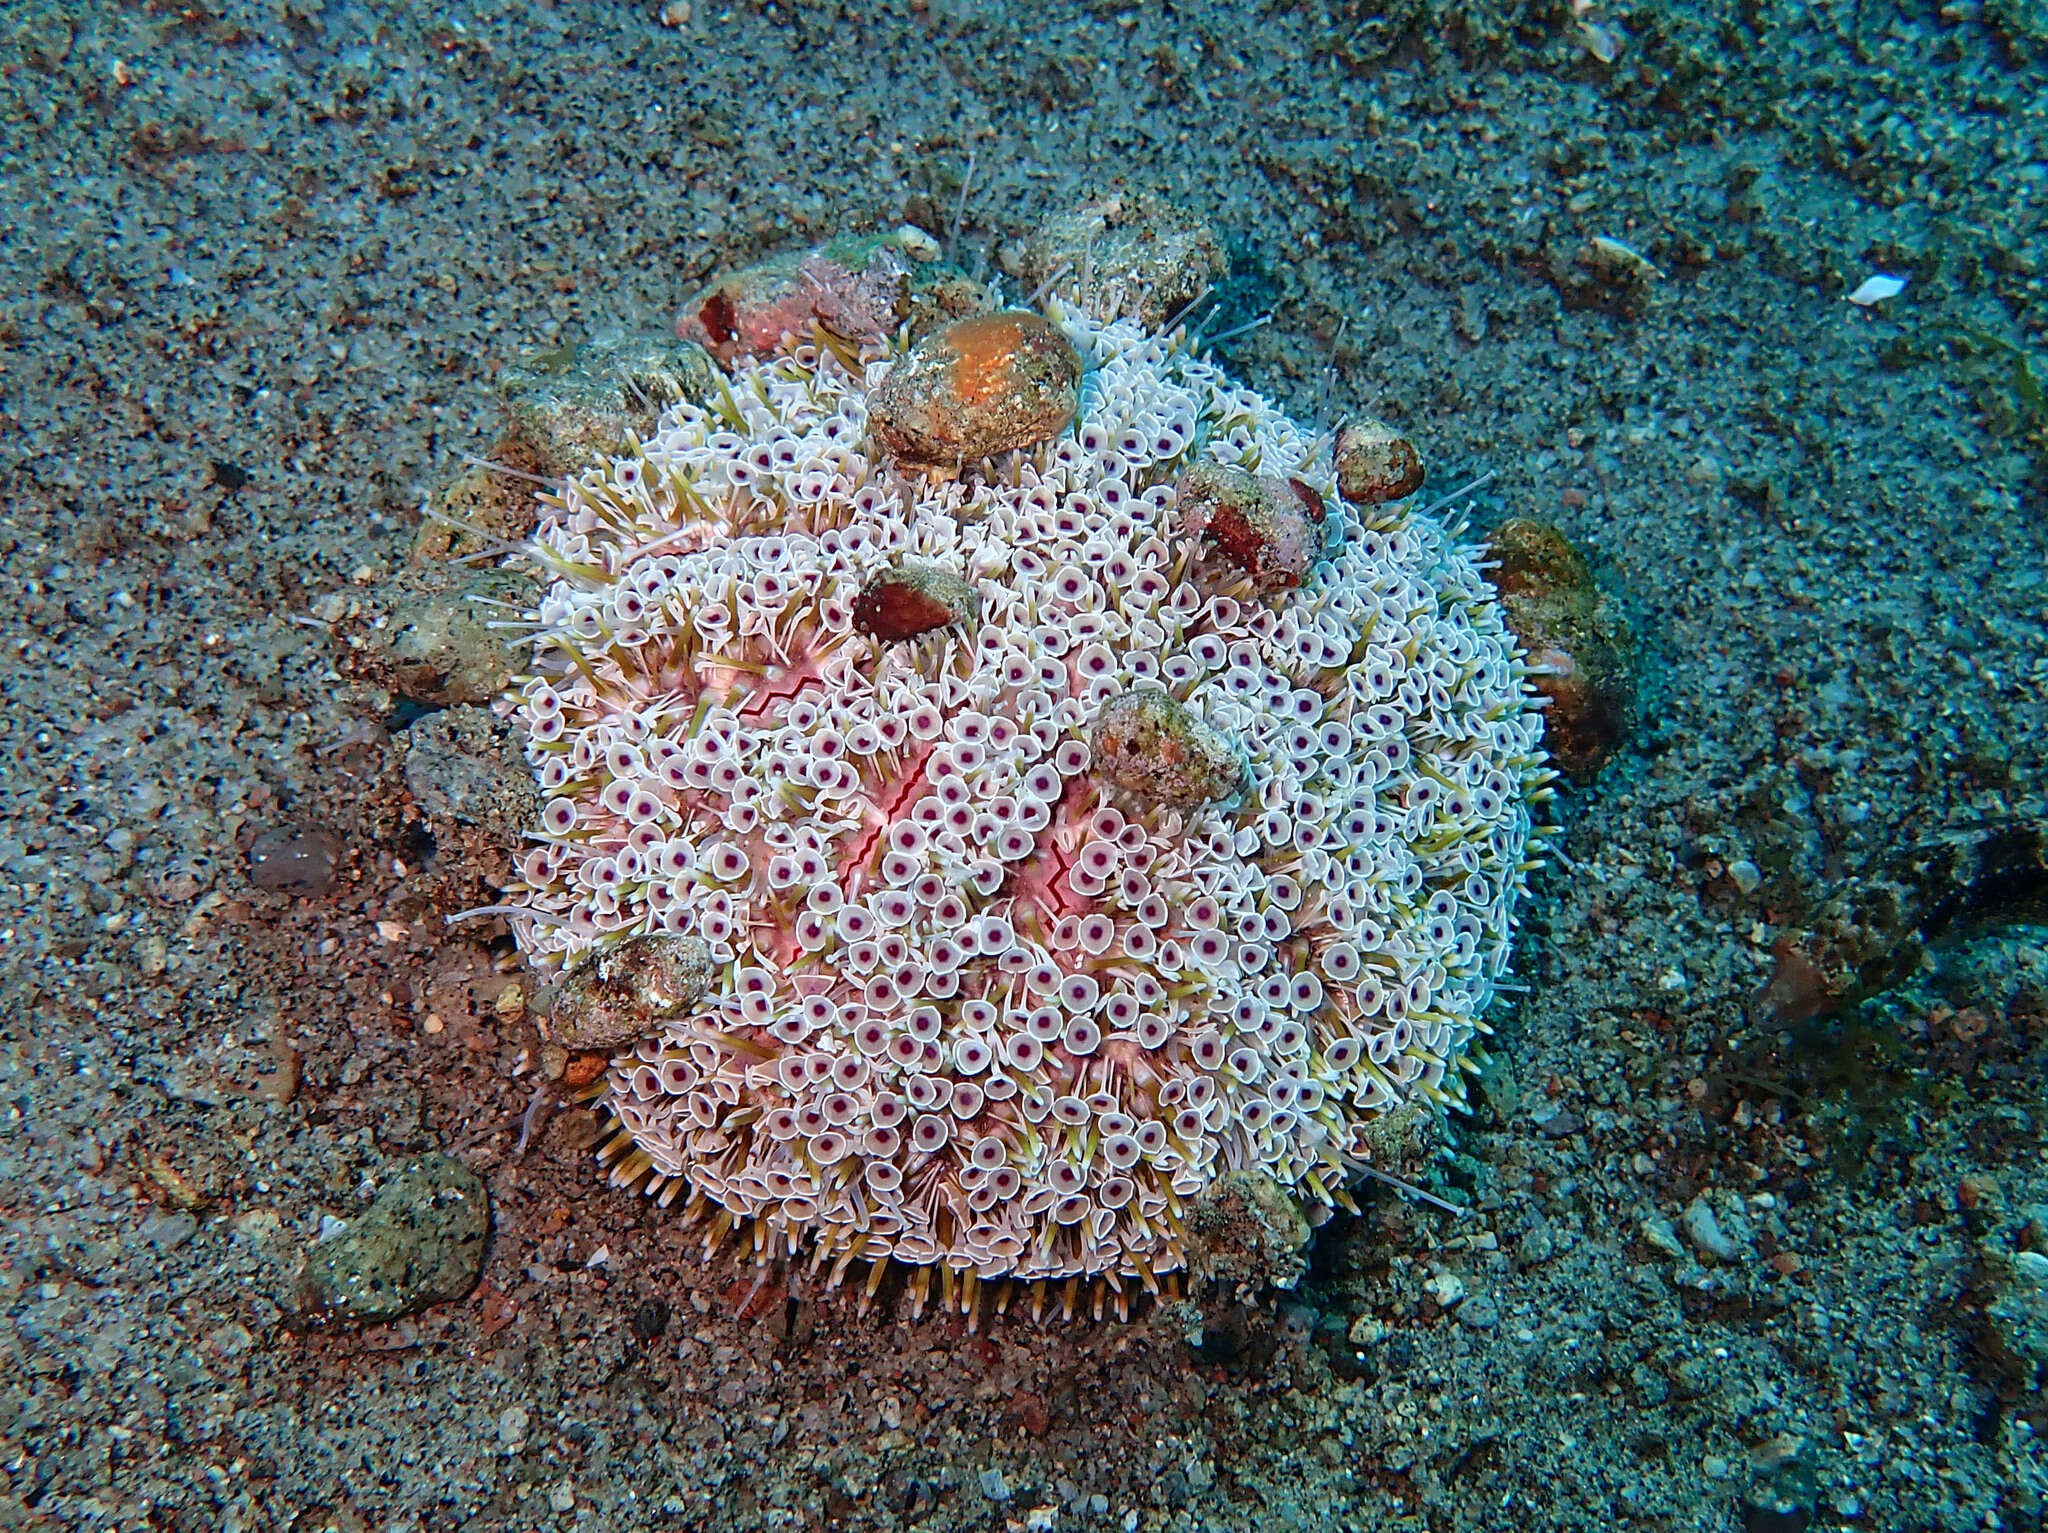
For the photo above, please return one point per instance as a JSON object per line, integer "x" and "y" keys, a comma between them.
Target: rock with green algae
{"x": 630, "y": 990}
{"x": 419, "y": 1243}
{"x": 1134, "y": 253}
{"x": 1245, "y": 1234}
{"x": 1162, "y": 753}
{"x": 436, "y": 644}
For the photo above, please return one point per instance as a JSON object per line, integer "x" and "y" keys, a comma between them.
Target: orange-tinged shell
{"x": 984, "y": 385}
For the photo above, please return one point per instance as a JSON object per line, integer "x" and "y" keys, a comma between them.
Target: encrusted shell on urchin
{"x": 1000, "y": 988}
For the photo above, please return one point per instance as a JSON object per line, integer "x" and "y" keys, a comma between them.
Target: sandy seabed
{"x": 263, "y": 264}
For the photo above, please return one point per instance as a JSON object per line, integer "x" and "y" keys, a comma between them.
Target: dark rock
{"x": 978, "y": 386}
{"x": 1581, "y": 650}
{"x": 420, "y": 1242}
{"x": 294, "y": 860}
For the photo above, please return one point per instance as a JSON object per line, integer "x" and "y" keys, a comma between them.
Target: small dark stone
{"x": 650, "y": 1320}
{"x": 229, "y": 476}
{"x": 294, "y": 860}
{"x": 909, "y": 599}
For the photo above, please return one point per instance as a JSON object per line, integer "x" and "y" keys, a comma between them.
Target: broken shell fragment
{"x": 909, "y": 598}
{"x": 978, "y": 386}
{"x": 1375, "y": 463}
{"x": 1581, "y": 650}
{"x": 1162, "y": 752}
{"x": 630, "y": 990}
{"x": 1275, "y": 530}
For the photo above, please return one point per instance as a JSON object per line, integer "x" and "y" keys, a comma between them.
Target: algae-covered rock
{"x": 629, "y": 991}
{"x": 1247, "y": 1233}
{"x": 462, "y": 765}
{"x": 860, "y": 288}
{"x": 437, "y": 644}
{"x": 573, "y": 404}
{"x": 1275, "y": 530}
{"x": 1130, "y": 254}
{"x": 420, "y": 1242}
{"x": 1163, "y": 753}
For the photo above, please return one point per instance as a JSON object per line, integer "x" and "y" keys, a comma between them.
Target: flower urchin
{"x": 1031, "y": 917}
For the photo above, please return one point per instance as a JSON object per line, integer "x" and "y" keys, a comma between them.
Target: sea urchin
{"x": 1029, "y": 918}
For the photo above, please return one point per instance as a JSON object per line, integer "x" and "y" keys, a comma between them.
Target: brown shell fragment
{"x": 909, "y": 598}
{"x": 1275, "y": 530}
{"x": 1162, "y": 752}
{"x": 1375, "y": 463}
{"x": 630, "y": 990}
{"x": 1581, "y": 650}
{"x": 984, "y": 385}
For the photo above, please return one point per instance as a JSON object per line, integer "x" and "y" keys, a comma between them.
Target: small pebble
{"x": 294, "y": 860}
{"x": 1375, "y": 463}
{"x": 1704, "y": 1231}
{"x": 994, "y": 1486}
{"x": 513, "y": 1421}
{"x": 1447, "y": 1288}
{"x": 629, "y": 990}
{"x": 562, "y": 1495}
{"x": 1660, "y": 1235}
